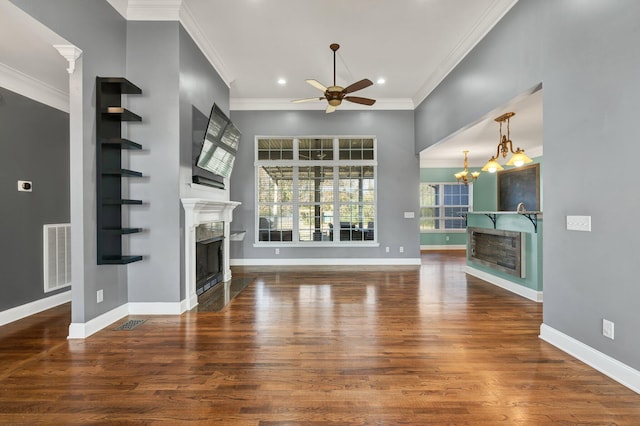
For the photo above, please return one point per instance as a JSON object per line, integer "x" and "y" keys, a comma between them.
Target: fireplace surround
{"x": 198, "y": 211}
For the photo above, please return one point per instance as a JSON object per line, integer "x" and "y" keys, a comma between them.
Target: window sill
{"x": 316, "y": 244}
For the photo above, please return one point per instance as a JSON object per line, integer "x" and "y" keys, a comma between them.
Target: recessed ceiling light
{"x": 282, "y": 81}
{"x": 381, "y": 80}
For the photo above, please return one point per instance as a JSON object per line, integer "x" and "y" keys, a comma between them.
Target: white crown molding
{"x": 153, "y": 10}
{"x": 487, "y": 21}
{"x": 120, "y": 6}
{"x": 280, "y": 104}
{"x": 618, "y": 371}
{"x": 174, "y": 10}
{"x": 32, "y": 88}
{"x": 71, "y": 53}
{"x": 197, "y": 35}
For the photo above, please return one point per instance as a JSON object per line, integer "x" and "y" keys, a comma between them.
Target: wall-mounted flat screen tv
{"x": 220, "y": 144}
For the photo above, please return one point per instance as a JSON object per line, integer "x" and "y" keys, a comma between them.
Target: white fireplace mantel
{"x": 196, "y": 212}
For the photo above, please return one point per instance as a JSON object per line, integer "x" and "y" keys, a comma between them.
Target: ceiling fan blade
{"x": 297, "y": 101}
{"x": 316, "y": 84}
{"x": 359, "y": 85}
{"x": 330, "y": 108}
{"x": 359, "y": 100}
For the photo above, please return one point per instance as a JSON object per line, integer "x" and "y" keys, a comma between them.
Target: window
{"x": 315, "y": 191}
{"x": 441, "y": 205}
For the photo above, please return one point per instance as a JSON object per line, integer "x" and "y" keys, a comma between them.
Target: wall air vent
{"x": 57, "y": 256}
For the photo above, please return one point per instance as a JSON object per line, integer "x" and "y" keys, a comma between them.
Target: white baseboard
{"x": 325, "y": 262}
{"x": 518, "y": 289}
{"x": 23, "y": 311}
{"x": 608, "y": 366}
{"x": 86, "y": 329}
{"x": 444, "y": 247}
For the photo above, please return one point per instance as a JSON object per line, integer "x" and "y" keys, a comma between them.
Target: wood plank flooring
{"x": 314, "y": 346}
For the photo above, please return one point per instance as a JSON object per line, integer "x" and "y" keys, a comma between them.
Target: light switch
{"x": 409, "y": 215}
{"x": 579, "y": 223}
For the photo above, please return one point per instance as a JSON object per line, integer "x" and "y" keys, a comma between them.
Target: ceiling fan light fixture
{"x": 335, "y": 94}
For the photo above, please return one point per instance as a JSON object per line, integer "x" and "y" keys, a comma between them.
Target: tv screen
{"x": 220, "y": 144}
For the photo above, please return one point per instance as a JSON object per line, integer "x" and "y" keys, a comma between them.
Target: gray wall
{"x": 200, "y": 88}
{"x": 152, "y": 64}
{"x": 398, "y": 177}
{"x": 587, "y": 57}
{"x": 96, "y": 28}
{"x": 34, "y": 145}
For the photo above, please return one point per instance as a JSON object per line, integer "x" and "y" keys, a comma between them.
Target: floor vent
{"x": 131, "y": 324}
{"x": 57, "y": 256}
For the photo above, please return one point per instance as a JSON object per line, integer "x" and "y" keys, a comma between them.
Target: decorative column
{"x": 71, "y": 53}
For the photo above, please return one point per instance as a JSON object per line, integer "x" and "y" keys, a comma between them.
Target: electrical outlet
{"x": 607, "y": 328}
{"x": 401, "y": 249}
{"x": 579, "y": 223}
{"x": 99, "y": 296}
{"x": 386, "y": 249}
{"x": 277, "y": 251}
{"x": 446, "y": 238}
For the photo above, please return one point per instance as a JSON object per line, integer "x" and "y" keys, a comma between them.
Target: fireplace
{"x": 209, "y": 255}
{"x": 211, "y": 213}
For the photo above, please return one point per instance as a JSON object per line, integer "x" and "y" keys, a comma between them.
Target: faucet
{"x": 521, "y": 208}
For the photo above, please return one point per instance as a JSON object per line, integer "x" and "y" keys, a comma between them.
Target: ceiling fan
{"x": 336, "y": 94}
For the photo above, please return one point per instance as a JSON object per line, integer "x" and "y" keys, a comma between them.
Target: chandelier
{"x": 462, "y": 176}
{"x": 505, "y": 146}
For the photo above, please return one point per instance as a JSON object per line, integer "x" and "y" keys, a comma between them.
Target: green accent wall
{"x": 485, "y": 198}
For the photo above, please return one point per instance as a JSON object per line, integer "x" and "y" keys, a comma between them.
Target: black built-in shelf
{"x": 109, "y": 172}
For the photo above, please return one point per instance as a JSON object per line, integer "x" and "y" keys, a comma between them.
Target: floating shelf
{"x": 122, "y": 172}
{"x": 110, "y": 114}
{"x": 119, "y": 260}
{"x": 121, "y": 114}
{"x": 120, "y": 143}
{"x": 120, "y": 202}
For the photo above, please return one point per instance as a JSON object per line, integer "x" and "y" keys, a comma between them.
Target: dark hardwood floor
{"x": 314, "y": 345}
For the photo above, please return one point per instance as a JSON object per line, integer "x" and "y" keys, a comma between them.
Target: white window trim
{"x": 453, "y": 230}
{"x": 295, "y": 205}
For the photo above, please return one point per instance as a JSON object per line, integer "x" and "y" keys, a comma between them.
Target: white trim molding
{"x": 611, "y": 367}
{"x": 25, "y": 85}
{"x": 285, "y": 104}
{"x": 23, "y": 311}
{"x": 198, "y": 211}
{"x": 327, "y": 262}
{"x": 71, "y": 53}
{"x": 84, "y": 330}
{"x": 518, "y": 289}
{"x": 153, "y": 10}
{"x": 494, "y": 13}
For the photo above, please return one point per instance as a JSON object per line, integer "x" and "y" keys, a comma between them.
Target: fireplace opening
{"x": 209, "y": 255}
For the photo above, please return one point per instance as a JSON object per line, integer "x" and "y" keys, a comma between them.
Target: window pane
{"x": 315, "y": 149}
{"x": 315, "y": 184}
{"x": 315, "y": 222}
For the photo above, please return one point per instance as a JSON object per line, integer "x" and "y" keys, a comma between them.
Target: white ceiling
{"x": 413, "y": 44}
